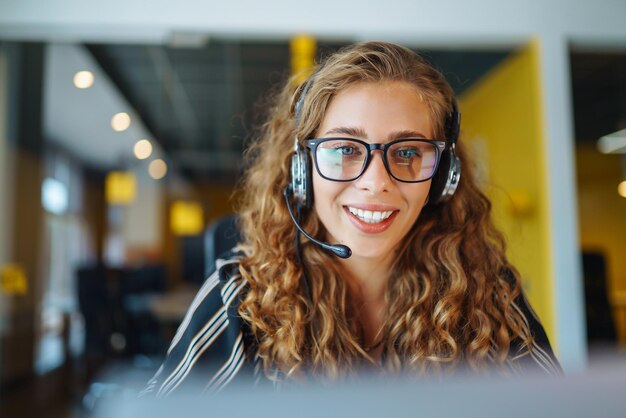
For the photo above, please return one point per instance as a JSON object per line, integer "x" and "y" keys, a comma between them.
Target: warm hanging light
{"x": 157, "y": 169}
{"x": 142, "y": 149}
{"x": 83, "y": 79}
{"x": 621, "y": 189}
{"x": 120, "y": 121}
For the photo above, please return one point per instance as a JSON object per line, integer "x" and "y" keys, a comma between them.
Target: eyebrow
{"x": 360, "y": 133}
{"x": 347, "y": 130}
{"x": 406, "y": 134}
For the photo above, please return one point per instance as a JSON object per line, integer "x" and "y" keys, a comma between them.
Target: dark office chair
{"x": 221, "y": 235}
{"x": 95, "y": 304}
{"x": 141, "y": 330}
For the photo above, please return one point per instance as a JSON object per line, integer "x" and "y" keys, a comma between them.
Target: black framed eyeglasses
{"x": 406, "y": 160}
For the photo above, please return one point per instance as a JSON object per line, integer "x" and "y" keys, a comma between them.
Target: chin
{"x": 373, "y": 251}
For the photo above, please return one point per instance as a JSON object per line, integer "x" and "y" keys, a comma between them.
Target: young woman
{"x": 403, "y": 272}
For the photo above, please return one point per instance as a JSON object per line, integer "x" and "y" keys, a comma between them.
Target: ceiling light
{"x": 621, "y": 189}
{"x": 614, "y": 143}
{"x": 143, "y": 149}
{"x": 157, "y": 169}
{"x": 83, "y": 79}
{"x": 120, "y": 121}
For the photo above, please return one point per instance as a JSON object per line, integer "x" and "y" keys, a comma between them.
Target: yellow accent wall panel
{"x": 13, "y": 279}
{"x": 186, "y": 218}
{"x": 120, "y": 187}
{"x": 302, "y": 49}
{"x": 504, "y": 132}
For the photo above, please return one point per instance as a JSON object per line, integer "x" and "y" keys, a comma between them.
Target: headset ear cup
{"x": 301, "y": 184}
{"x": 454, "y": 177}
{"x": 296, "y": 178}
{"x": 446, "y": 179}
{"x": 439, "y": 180}
{"x": 308, "y": 188}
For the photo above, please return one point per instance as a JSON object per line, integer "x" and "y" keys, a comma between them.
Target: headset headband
{"x": 303, "y": 90}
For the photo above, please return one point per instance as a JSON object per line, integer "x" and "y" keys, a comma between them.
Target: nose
{"x": 375, "y": 179}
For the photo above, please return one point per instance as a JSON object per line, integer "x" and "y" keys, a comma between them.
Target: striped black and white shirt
{"x": 212, "y": 345}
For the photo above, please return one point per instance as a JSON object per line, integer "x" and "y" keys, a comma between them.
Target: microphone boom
{"x": 339, "y": 250}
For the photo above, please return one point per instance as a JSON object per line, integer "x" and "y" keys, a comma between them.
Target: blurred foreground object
{"x": 581, "y": 395}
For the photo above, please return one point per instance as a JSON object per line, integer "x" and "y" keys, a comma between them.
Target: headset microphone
{"x": 339, "y": 250}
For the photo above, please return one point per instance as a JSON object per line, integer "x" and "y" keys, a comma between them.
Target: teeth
{"x": 369, "y": 216}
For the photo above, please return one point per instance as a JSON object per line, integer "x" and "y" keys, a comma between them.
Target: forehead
{"x": 377, "y": 109}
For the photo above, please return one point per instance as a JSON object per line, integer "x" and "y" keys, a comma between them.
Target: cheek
{"x": 324, "y": 193}
{"x": 417, "y": 197}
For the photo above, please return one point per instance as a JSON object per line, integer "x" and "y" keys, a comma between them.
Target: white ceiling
{"x": 79, "y": 120}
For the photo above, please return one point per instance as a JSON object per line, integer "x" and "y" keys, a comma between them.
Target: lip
{"x": 372, "y": 206}
{"x": 371, "y": 228}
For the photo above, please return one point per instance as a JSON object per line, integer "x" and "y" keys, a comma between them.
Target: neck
{"x": 367, "y": 282}
{"x": 369, "y": 277}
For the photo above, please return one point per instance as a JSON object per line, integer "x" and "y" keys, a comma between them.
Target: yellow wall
{"x": 503, "y": 128}
{"x": 216, "y": 201}
{"x": 602, "y": 221}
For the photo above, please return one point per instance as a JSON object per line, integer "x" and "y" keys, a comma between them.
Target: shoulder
{"x": 209, "y": 343}
{"x": 215, "y": 296}
{"x": 538, "y": 355}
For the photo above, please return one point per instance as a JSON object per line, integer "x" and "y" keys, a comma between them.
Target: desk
{"x": 171, "y": 307}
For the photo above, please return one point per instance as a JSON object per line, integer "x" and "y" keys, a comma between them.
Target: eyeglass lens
{"x": 343, "y": 159}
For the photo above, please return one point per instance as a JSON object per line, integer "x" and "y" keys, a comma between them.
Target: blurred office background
{"x": 122, "y": 126}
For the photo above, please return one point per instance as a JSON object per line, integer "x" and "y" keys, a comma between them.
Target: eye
{"x": 346, "y": 149}
{"x": 408, "y": 153}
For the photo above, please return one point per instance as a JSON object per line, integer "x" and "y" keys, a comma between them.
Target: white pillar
{"x": 4, "y": 202}
{"x": 560, "y": 159}
{"x": 5, "y": 186}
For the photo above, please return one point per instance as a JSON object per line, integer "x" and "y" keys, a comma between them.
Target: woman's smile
{"x": 371, "y": 219}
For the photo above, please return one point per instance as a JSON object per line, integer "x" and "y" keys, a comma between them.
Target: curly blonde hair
{"x": 452, "y": 287}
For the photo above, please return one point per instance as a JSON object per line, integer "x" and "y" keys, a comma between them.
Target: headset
{"x": 301, "y": 186}
{"x": 448, "y": 174}
{"x": 444, "y": 182}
